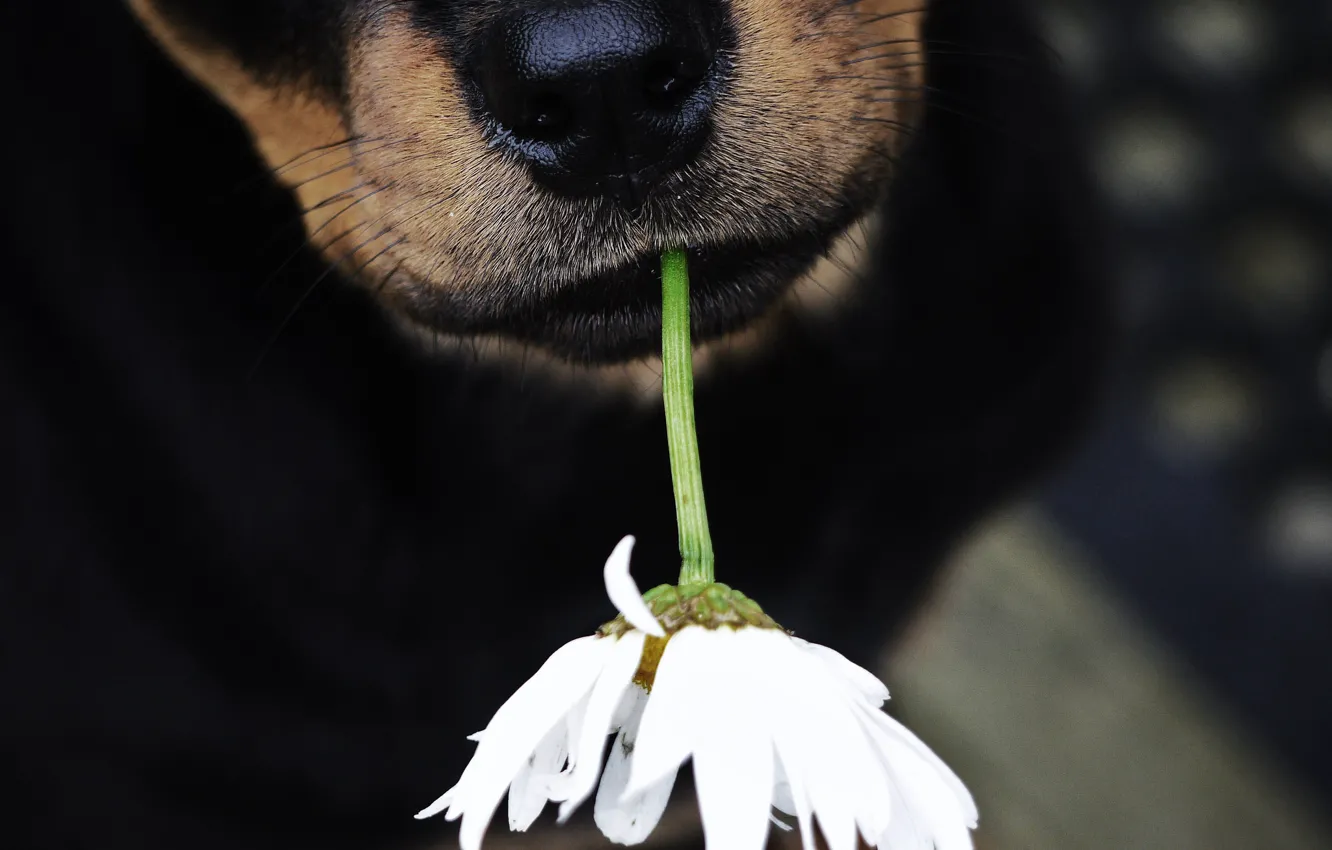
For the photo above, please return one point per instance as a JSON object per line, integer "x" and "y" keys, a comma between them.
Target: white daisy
{"x": 770, "y": 721}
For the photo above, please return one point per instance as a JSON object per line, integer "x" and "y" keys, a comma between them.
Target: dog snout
{"x": 602, "y": 97}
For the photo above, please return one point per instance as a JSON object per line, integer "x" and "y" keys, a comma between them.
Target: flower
{"x": 770, "y": 721}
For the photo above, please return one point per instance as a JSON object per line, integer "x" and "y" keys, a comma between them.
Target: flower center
{"x": 646, "y": 673}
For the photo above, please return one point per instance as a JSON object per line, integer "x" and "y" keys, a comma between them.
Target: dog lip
{"x": 616, "y": 316}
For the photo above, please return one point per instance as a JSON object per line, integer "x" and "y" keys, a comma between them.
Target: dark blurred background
{"x": 1162, "y": 617}
{"x": 1207, "y": 495}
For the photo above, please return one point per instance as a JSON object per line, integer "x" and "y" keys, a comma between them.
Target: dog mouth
{"x": 485, "y": 245}
{"x": 615, "y": 316}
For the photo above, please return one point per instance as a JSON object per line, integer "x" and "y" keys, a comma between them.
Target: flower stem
{"x": 677, "y": 379}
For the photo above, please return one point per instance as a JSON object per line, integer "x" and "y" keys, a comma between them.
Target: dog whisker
{"x": 888, "y": 42}
{"x": 310, "y": 238}
{"x": 305, "y": 295}
{"x": 881, "y": 56}
{"x": 305, "y": 157}
{"x": 334, "y": 198}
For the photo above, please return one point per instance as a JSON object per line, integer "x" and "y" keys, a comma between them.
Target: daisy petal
{"x": 440, "y": 804}
{"x": 789, "y": 797}
{"x": 617, "y": 676}
{"x": 629, "y": 820}
{"x": 667, "y": 733}
{"x": 574, "y": 720}
{"x": 862, "y": 680}
{"x": 890, "y": 727}
{"x": 782, "y": 800}
{"x": 904, "y": 831}
{"x": 925, "y": 795}
{"x": 733, "y": 768}
{"x": 527, "y": 792}
{"x": 518, "y": 727}
{"x": 823, "y": 754}
{"x": 800, "y": 805}
{"x": 624, "y": 593}
{"x": 858, "y": 771}
{"x": 570, "y": 669}
{"x": 928, "y": 801}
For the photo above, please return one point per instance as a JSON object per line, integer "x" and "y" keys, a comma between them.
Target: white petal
{"x": 782, "y": 800}
{"x": 442, "y": 802}
{"x": 674, "y": 711}
{"x": 527, "y": 792}
{"x": 891, "y": 727}
{"x": 858, "y": 677}
{"x": 800, "y": 805}
{"x": 849, "y": 691}
{"x": 905, "y": 832}
{"x": 630, "y": 710}
{"x": 518, "y": 727}
{"x": 624, "y": 594}
{"x": 618, "y": 675}
{"x": 629, "y": 820}
{"x": 826, "y": 756}
{"x": 574, "y": 720}
{"x": 817, "y": 792}
{"x": 733, "y": 769}
{"x": 925, "y": 795}
{"x": 789, "y": 797}
{"x": 927, "y": 802}
{"x": 811, "y": 769}
{"x": 533, "y": 710}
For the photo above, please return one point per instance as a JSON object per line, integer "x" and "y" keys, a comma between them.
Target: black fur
{"x": 251, "y": 612}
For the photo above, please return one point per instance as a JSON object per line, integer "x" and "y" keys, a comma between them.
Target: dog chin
{"x": 608, "y": 329}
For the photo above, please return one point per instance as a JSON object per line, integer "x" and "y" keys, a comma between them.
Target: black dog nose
{"x": 602, "y": 97}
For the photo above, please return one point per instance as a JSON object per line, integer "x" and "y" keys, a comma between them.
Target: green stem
{"x": 677, "y": 378}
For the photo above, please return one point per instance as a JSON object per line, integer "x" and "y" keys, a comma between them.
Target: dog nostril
{"x": 545, "y": 117}
{"x": 667, "y": 83}
{"x": 594, "y": 95}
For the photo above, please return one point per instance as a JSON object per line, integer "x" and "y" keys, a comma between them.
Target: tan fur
{"x": 422, "y": 201}
{"x": 298, "y": 135}
{"x": 784, "y": 132}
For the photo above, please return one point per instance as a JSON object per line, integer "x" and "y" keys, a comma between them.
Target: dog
{"x": 328, "y": 345}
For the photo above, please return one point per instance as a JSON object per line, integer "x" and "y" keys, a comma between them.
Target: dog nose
{"x": 602, "y": 97}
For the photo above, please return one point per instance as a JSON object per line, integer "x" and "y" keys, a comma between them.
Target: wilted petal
{"x": 518, "y": 727}
{"x": 674, "y": 711}
{"x": 892, "y": 729}
{"x": 925, "y": 796}
{"x": 782, "y": 800}
{"x": 527, "y": 792}
{"x": 824, "y": 755}
{"x": 858, "y": 677}
{"x": 904, "y": 831}
{"x": 799, "y": 800}
{"x": 617, "y": 676}
{"x": 629, "y": 820}
{"x": 442, "y": 802}
{"x": 529, "y": 714}
{"x": 733, "y": 768}
{"x": 624, "y": 593}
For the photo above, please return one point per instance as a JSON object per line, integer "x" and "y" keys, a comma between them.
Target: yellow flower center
{"x": 653, "y": 647}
